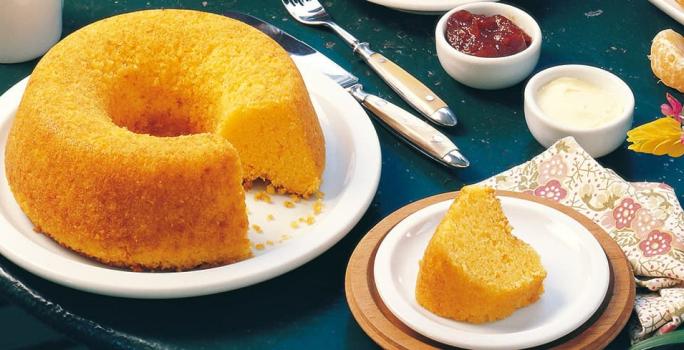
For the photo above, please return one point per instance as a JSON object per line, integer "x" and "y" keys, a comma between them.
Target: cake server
{"x": 407, "y": 86}
{"x": 412, "y": 129}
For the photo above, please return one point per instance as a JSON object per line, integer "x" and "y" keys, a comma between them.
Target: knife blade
{"x": 417, "y": 133}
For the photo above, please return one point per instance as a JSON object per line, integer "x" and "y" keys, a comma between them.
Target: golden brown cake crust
{"x": 114, "y": 151}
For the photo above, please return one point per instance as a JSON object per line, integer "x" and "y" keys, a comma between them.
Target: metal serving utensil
{"x": 414, "y": 92}
{"x": 412, "y": 129}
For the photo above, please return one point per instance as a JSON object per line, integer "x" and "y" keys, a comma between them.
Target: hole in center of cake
{"x": 159, "y": 123}
{"x": 159, "y": 107}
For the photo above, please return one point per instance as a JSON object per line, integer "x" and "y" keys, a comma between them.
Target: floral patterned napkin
{"x": 645, "y": 219}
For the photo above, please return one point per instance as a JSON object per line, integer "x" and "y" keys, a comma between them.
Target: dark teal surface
{"x": 306, "y": 308}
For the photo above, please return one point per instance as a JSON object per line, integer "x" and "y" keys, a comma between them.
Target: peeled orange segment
{"x": 667, "y": 58}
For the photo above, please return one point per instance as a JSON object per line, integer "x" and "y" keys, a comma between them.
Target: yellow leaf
{"x": 659, "y": 137}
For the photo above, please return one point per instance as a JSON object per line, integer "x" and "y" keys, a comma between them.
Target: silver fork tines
{"x": 312, "y": 12}
{"x": 307, "y": 11}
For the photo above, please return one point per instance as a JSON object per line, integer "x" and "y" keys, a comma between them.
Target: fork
{"x": 415, "y": 93}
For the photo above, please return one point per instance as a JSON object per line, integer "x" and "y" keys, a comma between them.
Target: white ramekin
{"x": 490, "y": 72}
{"x": 597, "y": 141}
{"x": 28, "y": 28}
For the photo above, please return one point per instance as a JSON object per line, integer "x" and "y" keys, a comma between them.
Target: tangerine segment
{"x": 667, "y": 58}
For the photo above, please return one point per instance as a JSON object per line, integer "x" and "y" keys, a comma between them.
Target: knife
{"x": 419, "y": 134}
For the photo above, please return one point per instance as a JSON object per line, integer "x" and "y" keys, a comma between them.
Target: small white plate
{"x": 425, "y": 7}
{"x": 350, "y": 180}
{"x": 671, "y": 8}
{"x": 575, "y": 286}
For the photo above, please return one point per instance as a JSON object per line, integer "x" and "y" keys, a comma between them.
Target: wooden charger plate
{"x": 390, "y": 333}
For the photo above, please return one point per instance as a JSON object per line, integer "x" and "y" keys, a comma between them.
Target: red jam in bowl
{"x": 485, "y": 36}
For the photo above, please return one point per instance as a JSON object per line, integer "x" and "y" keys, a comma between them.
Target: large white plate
{"x": 424, "y": 6}
{"x": 671, "y": 8}
{"x": 575, "y": 286}
{"x": 350, "y": 180}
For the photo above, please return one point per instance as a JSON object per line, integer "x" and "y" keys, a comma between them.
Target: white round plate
{"x": 349, "y": 183}
{"x": 574, "y": 288}
{"x": 426, "y": 7}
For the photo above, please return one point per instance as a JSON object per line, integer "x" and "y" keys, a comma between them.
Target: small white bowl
{"x": 490, "y": 73}
{"x": 597, "y": 141}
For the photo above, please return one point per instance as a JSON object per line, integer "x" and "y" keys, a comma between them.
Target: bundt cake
{"x": 135, "y": 134}
{"x": 474, "y": 269}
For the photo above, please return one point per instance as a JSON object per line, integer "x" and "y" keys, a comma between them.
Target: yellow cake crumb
{"x": 270, "y": 189}
{"x": 288, "y": 204}
{"x": 257, "y": 228}
{"x": 295, "y": 198}
{"x": 270, "y": 217}
{"x": 260, "y": 246}
{"x": 294, "y": 224}
{"x": 318, "y": 206}
{"x": 263, "y": 197}
{"x": 281, "y": 190}
{"x": 269, "y": 242}
{"x": 310, "y": 220}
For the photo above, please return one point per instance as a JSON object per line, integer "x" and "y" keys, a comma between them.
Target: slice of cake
{"x": 474, "y": 269}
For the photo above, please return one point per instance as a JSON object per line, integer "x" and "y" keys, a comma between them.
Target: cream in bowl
{"x": 488, "y": 45}
{"x": 588, "y": 103}
{"x": 578, "y": 103}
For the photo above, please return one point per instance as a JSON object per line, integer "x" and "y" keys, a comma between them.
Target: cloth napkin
{"x": 644, "y": 218}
